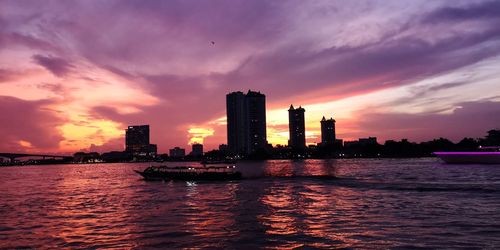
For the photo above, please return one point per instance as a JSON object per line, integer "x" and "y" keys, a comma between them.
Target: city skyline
{"x": 72, "y": 77}
{"x": 246, "y": 122}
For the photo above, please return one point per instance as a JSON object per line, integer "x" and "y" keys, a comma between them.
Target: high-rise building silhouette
{"x": 236, "y": 122}
{"x": 256, "y": 112}
{"x": 197, "y": 149}
{"x": 136, "y": 137}
{"x": 296, "y": 124}
{"x": 327, "y": 131}
{"x": 246, "y": 122}
{"x": 137, "y": 141}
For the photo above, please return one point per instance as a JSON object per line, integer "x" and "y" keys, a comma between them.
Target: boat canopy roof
{"x": 191, "y": 167}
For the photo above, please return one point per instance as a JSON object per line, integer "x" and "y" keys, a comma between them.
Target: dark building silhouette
{"x": 246, "y": 122}
{"x": 82, "y": 157}
{"x": 256, "y": 112}
{"x": 362, "y": 142}
{"x": 327, "y": 131}
{"x": 368, "y": 141}
{"x": 236, "y": 121}
{"x": 136, "y": 137}
{"x": 197, "y": 149}
{"x": 223, "y": 147}
{"x": 137, "y": 141}
{"x": 116, "y": 156}
{"x": 177, "y": 152}
{"x": 296, "y": 124}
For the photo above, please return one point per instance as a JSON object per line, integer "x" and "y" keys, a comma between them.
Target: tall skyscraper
{"x": 256, "y": 120}
{"x": 296, "y": 124}
{"x": 327, "y": 131}
{"x": 246, "y": 122}
{"x": 197, "y": 149}
{"x": 137, "y": 141}
{"x": 236, "y": 122}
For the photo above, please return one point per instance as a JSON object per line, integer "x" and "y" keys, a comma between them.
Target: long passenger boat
{"x": 488, "y": 155}
{"x": 191, "y": 173}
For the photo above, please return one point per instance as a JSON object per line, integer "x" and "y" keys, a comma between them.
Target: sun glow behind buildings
{"x": 79, "y": 135}
{"x": 391, "y": 63}
{"x": 72, "y": 99}
{"x": 198, "y": 134}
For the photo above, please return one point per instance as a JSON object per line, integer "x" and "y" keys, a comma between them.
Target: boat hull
{"x": 469, "y": 157}
{"x": 190, "y": 176}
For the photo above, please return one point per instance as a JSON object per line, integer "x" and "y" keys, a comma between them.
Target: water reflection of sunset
{"x": 371, "y": 203}
{"x": 207, "y": 211}
{"x": 82, "y": 206}
{"x": 279, "y": 219}
{"x": 311, "y": 210}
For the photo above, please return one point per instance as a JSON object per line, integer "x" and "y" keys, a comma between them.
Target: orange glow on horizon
{"x": 77, "y": 137}
{"x": 25, "y": 144}
{"x": 198, "y": 134}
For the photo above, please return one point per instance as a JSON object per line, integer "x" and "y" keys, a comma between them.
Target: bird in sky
{"x": 213, "y": 43}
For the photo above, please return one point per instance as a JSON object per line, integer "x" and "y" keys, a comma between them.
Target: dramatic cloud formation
{"x": 379, "y": 68}
{"x": 29, "y": 124}
{"x": 468, "y": 119}
{"x": 58, "y": 66}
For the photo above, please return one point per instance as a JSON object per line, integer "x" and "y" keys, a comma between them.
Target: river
{"x": 348, "y": 203}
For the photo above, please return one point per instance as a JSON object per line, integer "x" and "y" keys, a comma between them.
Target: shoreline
{"x": 192, "y": 161}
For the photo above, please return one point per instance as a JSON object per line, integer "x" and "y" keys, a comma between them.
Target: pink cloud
{"x": 28, "y": 121}
{"x": 57, "y": 66}
{"x": 165, "y": 50}
{"x": 472, "y": 119}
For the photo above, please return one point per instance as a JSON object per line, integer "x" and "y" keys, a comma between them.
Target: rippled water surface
{"x": 363, "y": 203}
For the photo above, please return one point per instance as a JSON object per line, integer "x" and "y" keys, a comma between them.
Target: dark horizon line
{"x": 48, "y": 154}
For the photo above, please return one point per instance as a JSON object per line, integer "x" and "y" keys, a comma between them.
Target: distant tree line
{"x": 390, "y": 149}
{"x": 366, "y": 149}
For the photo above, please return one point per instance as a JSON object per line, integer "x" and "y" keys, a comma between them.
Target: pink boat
{"x": 470, "y": 157}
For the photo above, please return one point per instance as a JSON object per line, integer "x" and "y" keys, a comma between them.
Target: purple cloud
{"x": 294, "y": 70}
{"x": 485, "y": 10}
{"x": 28, "y": 121}
{"x": 7, "y": 75}
{"x": 471, "y": 119}
{"x": 290, "y": 50}
{"x": 58, "y": 66}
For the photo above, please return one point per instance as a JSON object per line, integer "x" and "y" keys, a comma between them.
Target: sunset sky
{"x": 74, "y": 74}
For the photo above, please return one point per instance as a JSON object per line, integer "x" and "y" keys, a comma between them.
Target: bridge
{"x": 13, "y": 156}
